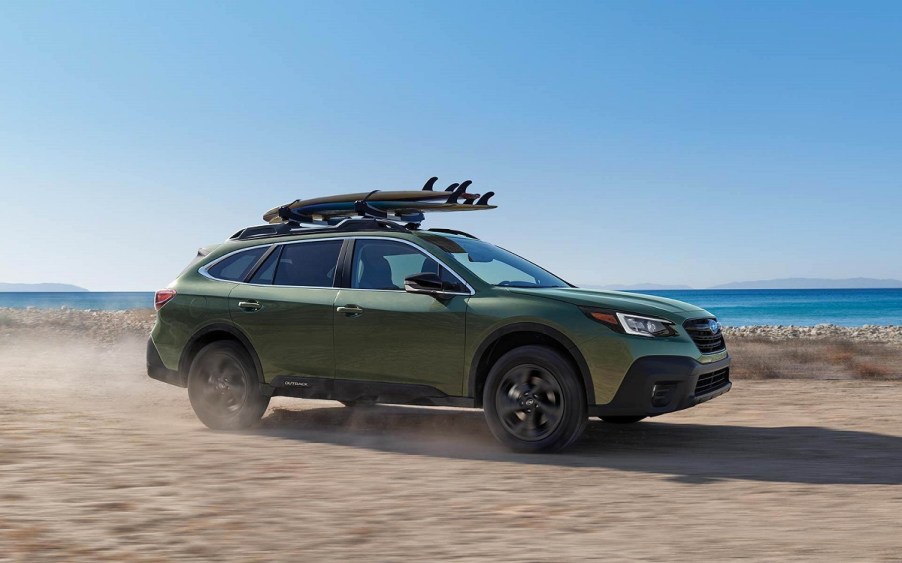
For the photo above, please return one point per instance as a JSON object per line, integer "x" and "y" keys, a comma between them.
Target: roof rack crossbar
{"x": 364, "y": 209}
{"x": 291, "y": 216}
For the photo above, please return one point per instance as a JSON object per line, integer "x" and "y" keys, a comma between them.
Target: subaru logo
{"x": 713, "y": 325}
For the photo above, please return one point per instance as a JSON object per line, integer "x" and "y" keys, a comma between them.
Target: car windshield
{"x": 495, "y": 265}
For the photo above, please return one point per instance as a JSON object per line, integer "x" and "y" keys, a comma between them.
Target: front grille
{"x": 711, "y": 381}
{"x": 706, "y": 334}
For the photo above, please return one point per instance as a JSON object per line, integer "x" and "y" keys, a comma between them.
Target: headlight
{"x": 645, "y": 326}
{"x": 628, "y": 323}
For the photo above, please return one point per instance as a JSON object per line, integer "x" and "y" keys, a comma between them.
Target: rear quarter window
{"x": 237, "y": 266}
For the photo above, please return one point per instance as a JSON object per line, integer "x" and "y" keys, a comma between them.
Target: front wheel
{"x": 534, "y": 401}
{"x": 224, "y": 389}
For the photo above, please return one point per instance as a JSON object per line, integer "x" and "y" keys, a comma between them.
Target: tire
{"x": 224, "y": 388}
{"x": 534, "y": 400}
{"x": 622, "y": 419}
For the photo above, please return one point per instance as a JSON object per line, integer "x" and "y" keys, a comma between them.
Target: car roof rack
{"x": 408, "y": 206}
{"x": 367, "y": 215}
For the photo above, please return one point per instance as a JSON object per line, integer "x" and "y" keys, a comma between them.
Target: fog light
{"x": 662, "y": 394}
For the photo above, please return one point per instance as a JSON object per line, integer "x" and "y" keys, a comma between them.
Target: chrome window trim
{"x": 204, "y": 269}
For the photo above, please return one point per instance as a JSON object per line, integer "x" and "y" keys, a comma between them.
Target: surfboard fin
{"x": 452, "y": 187}
{"x": 484, "y": 200}
{"x": 459, "y": 191}
{"x": 430, "y": 183}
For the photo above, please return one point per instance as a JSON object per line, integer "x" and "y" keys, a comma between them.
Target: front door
{"x": 286, "y": 309}
{"x": 385, "y": 334}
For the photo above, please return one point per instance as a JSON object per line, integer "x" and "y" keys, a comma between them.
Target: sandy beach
{"x": 99, "y": 462}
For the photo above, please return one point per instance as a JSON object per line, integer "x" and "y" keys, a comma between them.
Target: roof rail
{"x": 296, "y": 228}
{"x": 453, "y": 232}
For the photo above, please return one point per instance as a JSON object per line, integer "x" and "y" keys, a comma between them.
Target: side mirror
{"x": 424, "y": 282}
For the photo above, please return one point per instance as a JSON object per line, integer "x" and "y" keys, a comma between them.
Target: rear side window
{"x": 237, "y": 266}
{"x": 308, "y": 264}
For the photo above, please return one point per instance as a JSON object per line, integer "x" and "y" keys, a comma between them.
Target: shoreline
{"x": 824, "y": 331}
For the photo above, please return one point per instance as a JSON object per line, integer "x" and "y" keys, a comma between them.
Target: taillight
{"x": 162, "y": 297}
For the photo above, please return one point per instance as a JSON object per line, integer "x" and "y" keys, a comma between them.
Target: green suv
{"x": 368, "y": 311}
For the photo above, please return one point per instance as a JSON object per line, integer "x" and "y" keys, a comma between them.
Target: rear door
{"x": 286, "y": 308}
{"x": 385, "y": 334}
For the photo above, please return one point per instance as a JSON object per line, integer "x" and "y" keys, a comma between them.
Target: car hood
{"x": 670, "y": 309}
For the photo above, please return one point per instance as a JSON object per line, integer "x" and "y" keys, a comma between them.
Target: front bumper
{"x": 657, "y": 385}
{"x": 157, "y": 370}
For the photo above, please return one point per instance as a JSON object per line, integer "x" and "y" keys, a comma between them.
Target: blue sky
{"x": 672, "y": 142}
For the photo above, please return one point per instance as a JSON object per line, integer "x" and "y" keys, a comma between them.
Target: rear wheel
{"x": 533, "y": 400}
{"x": 224, "y": 389}
{"x": 622, "y": 419}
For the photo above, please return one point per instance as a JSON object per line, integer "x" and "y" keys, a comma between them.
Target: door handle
{"x": 350, "y": 310}
{"x": 249, "y": 306}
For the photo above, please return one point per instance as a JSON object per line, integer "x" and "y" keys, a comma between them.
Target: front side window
{"x": 495, "y": 265}
{"x": 237, "y": 266}
{"x": 383, "y": 264}
{"x": 308, "y": 264}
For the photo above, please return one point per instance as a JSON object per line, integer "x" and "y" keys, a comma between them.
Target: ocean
{"x": 734, "y": 307}
{"x": 93, "y": 300}
{"x": 799, "y": 307}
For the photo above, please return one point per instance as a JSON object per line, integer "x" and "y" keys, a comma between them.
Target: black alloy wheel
{"x": 224, "y": 388}
{"x": 534, "y": 401}
{"x": 529, "y": 402}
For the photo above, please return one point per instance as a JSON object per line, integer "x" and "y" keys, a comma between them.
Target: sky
{"x": 690, "y": 143}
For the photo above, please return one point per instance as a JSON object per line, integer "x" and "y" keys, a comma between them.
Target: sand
{"x": 99, "y": 462}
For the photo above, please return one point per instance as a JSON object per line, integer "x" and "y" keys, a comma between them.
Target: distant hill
{"x": 39, "y": 287}
{"x": 637, "y": 286}
{"x": 813, "y": 283}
